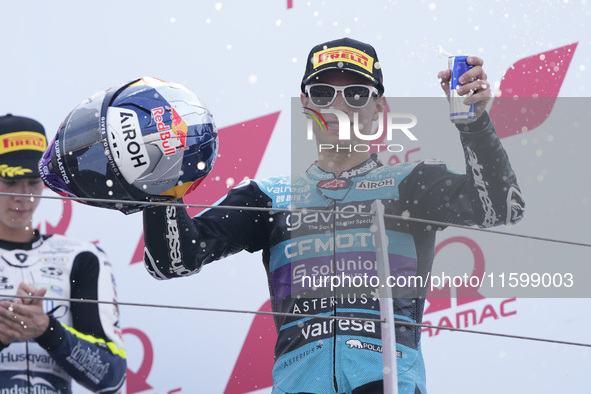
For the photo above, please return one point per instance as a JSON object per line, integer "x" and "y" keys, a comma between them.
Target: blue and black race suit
{"x": 331, "y": 232}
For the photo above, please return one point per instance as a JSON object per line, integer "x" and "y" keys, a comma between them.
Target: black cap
{"x": 22, "y": 143}
{"x": 344, "y": 54}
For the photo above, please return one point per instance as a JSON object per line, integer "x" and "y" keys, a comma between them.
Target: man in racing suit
{"x": 329, "y": 233}
{"x": 45, "y": 340}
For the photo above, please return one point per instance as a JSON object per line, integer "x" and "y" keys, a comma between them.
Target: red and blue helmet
{"x": 147, "y": 140}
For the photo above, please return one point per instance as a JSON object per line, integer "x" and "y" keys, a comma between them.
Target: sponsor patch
{"x": 89, "y": 362}
{"x": 357, "y": 344}
{"x": 173, "y": 138}
{"x": 360, "y": 170}
{"x": 174, "y": 243}
{"x": 339, "y": 54}
{"x": 52, "y": 271}
{"x": 126, "y": 143}
{"x": 373, "y": 185}
{"x": 335, "y": 184}
{"x": 8, "y": 171}
{"x": 22, "y": 140}
{"x": 490, "y": 216}
{"x": 4, "y": 283}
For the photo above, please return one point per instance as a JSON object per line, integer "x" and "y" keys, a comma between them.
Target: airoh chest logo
{"x": 373, "y": 185}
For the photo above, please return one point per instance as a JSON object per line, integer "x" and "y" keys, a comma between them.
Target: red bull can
{"x": 458, "y": 111}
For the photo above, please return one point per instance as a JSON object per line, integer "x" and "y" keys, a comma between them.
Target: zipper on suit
{"x": 334, "y": 307}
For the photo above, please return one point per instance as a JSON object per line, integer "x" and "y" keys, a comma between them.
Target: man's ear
{"x": 380, "y": 107}
{"x": 304, "y": 99}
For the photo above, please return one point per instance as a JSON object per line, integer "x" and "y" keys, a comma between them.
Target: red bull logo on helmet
{"x": 173, "y": 138}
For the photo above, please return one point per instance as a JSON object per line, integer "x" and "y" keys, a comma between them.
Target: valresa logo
{"x": 394, "y": 121}
{"x": 179, "y": 129}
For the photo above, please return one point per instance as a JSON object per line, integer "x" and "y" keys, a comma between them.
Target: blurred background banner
{"x": 245, "y": 60}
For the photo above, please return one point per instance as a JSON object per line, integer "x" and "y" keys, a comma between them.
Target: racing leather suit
{"x": 83, "y": 340}
{"x": 315, "y": 355}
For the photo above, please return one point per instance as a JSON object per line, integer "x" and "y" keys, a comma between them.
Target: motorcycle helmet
{"x": 144, "y": 141}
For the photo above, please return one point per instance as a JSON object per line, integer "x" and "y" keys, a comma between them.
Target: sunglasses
{"x": 356, "y": 96}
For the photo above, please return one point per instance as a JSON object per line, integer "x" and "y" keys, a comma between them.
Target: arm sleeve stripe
{"x": 89, "y": 338}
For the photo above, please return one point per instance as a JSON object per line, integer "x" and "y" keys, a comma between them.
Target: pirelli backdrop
{"x": 245, "y": 60}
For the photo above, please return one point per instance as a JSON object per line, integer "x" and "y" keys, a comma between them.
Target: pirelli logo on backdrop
{"x": 338, "y": 54}
{"x": 22, "y": 140}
